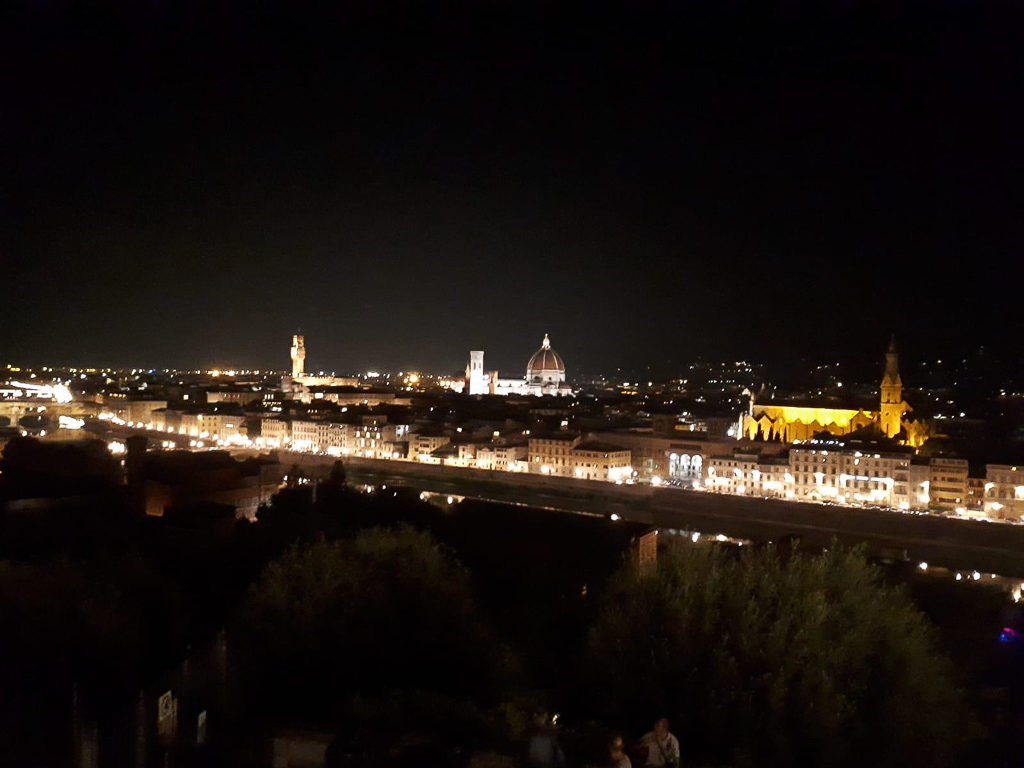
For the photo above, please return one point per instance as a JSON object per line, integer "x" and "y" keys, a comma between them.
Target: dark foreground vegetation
{"x": 398, "y": 631}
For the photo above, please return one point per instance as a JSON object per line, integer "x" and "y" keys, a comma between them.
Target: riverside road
{"x": 951, "y": 543}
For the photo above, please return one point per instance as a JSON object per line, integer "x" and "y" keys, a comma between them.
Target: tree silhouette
{"x": 385, "y": 611}
{"x": 812, "y": 661}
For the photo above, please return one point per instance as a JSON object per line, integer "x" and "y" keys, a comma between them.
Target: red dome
{"x": 544, "y": 360}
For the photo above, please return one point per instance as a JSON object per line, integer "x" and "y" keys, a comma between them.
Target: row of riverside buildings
{"x": 489, "y": 446}
{"x": 834, "y": 470}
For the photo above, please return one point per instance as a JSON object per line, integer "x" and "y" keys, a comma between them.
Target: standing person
{"x": 662, "y": 747}
{"x": 617, "y": 757}
{"x": 543, "y": 750}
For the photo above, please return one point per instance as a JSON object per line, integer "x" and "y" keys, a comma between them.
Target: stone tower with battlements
{"x": 298, "y": 356}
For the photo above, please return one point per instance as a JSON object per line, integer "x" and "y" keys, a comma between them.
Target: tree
{"x": 385, "y": 611}
{"x": 34, "y": 468}
{"x": 810, "y": 660}
{"x": 337, "y": 476}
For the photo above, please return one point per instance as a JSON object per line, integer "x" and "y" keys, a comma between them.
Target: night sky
{"x": 183, "y": 187}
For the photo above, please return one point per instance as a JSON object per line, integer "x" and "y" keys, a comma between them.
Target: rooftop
{"x": 600, "y": 446}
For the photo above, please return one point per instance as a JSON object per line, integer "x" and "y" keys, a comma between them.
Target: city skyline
{"x": 475, "y": 384}
{"x": 799, "y": 371}
{"x": 184, "y": 185}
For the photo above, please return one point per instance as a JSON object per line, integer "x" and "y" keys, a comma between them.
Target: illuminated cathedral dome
{"x": 546, "y": 366}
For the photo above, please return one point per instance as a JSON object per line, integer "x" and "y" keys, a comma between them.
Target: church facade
{"x": 789, "y": 422}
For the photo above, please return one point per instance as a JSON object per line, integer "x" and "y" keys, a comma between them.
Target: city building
{"x": 818, "y": 471}
{"x": 545, "y": 372}
{"x": 423, "y": 443}
{"x": 550, "y": 454}
{"x": 175, "y": 479}
{"x": 736, "y": 474}
{"x": 597, "y": 460}
{"x": 892, "y": 405}
{"x": 790, "y": 422}
{"x": 1004, "y": 491}
{"x": 347, "y": 395}
{"x": 504, "y": 458}
{"x": 134, "y": 411}
{"x": 545, "y": 375}
{"x": 274, "y": 432}
{"x": 319, "y": 436}
{"x": 567, "y": 454}
{"x": 298, "y": 355}
{"x": 209, "y": 426}
{"x": 833, "y": 471}
{"x": 240, "y": 395}
{"x": 948, "y": 484}
{"x": 299, "y": 381}
{"x": 657, "y": 458}
{"x": 461, "y": 454}
{"x": 376, "y": 438}
{"x": 478, "y": 381}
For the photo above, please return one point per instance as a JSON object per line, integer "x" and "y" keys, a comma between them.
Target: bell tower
{"x": 892, "y": 406}
{"x": 298, "y": 356}
{"x": 476, "y": 380}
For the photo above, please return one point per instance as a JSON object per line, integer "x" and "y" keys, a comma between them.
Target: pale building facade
{"x": 568, "y": 455}
{"x": 503, "y": 458}
{"x": 947, "y": 484}
{"x": 1004, "y": 491}
{"x": 736, "y": 474}
{"x": 656, "y": 458}
{"x": 816, "y": 473}
{"x": 551, "y": 454}
{"x": 229, "y": 428}
{"x": 318, "y": 436}
{"x": 422, "y": 446}
{"x": 456, "y": 454}
{"x": 274, "y": 433}
{"x": 920, "y": 480}
{"x": 850, "y": 476}
{"x": 376, "y": 438}
{"x": 596, "y": 460}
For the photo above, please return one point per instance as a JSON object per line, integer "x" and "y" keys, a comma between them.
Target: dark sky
{"x": 185, "y": 187}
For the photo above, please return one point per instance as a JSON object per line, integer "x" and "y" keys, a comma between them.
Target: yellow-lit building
{"x": 789, "y": 422}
